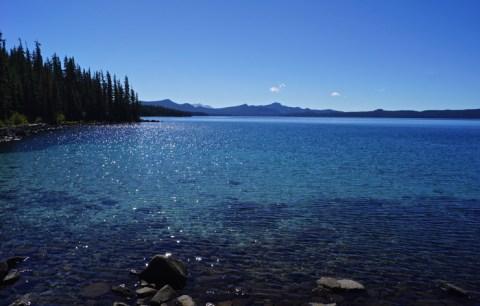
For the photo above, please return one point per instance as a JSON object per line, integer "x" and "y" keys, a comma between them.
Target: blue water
{"x": 259, "y": 208}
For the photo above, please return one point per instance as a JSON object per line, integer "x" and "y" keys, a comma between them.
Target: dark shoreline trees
{"x": 44, "y": 90}
{"x": 159, "y": 111}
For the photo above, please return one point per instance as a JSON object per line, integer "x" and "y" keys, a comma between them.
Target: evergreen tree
{"x": 43, "y": 89}
{"x": 5, "y": 100}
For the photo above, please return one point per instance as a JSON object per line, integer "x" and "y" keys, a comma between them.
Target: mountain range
{"x": 274, "y": 109}
{"x": 277, "y": 109}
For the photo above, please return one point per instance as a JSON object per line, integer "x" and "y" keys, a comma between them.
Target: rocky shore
{"x": 12, "y": 133}
{"x": 163, "y": 281}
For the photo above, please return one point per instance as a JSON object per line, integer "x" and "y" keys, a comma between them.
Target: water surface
{"x": 259, "y": 207}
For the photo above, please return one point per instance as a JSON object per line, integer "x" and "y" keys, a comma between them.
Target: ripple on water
{"x": 258, "y": 210}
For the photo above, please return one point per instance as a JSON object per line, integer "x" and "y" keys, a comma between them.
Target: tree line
{"x": 45, "y": 90}
{"x": 160, "y": 111}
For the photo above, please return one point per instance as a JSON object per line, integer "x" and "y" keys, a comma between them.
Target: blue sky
{"x": 345, "y": 54}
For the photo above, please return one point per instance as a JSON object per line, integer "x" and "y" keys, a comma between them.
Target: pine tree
{"x": 5, "y": 100}
{"x": 43, "y": 89}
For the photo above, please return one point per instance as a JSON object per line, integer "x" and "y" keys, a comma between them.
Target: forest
{"x": 34, "y": 90}
{"x": 152, "y": 110}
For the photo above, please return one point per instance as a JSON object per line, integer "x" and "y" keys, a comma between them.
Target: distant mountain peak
{"x": 273, "y": 109}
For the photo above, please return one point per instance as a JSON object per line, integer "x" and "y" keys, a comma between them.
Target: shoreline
{"x": 162, "y": 282}
{"x": 18, "y": 132}
{"x": 15, "y": 133}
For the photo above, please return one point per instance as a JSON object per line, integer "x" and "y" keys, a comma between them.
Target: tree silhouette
{"x": 45, "y": 91}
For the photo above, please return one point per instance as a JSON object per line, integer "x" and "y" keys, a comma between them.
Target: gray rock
{"x": 146, "y": 292}
{"x": 12, "y": 276}
{"x": 164, "y": 270}
{"x": 122, "y": 290}
{"x": 163, "y": 295}
{"x": 120, "y": 304}
{"x": 185, "y": 300}
{"x": 452, "y": 289}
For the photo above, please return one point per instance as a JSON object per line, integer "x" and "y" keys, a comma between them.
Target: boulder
{"x": 185, "y": 300}
{"x": 12, "y": 276}
{"x": 163, "y": 295}
{"x": 164, "y": 270}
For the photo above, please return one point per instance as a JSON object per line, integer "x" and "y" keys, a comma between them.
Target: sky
{"x": 346, "y": 55}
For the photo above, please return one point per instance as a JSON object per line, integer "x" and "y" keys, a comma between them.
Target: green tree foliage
{"x": 39, "y": 87}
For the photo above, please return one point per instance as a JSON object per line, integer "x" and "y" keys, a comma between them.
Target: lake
{"x": 259, "y": 208}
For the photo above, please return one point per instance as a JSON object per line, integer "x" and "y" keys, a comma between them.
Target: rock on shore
{"x": 164, "y": 270}
{"x": 9, "y": 133}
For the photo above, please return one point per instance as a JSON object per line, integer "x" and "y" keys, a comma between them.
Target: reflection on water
{"x": 259, "y": 208}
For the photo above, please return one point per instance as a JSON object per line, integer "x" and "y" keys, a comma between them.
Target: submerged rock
{"x": 95, "y": 290}
{"x": 12, "y": 276}
{"x": 452, "y": 289}
{"x": 349, "y": 284}
{"x": 24, "y": 300}
{"x": 341, "y": 284}
{"x": 329, "y": 282}
{"x": 119, "y": 304}
{"x": 122, "y": 290}
{"x": 164, "y": 270}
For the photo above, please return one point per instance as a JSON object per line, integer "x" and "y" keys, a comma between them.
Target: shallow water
{"x": 259, "y": 208}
